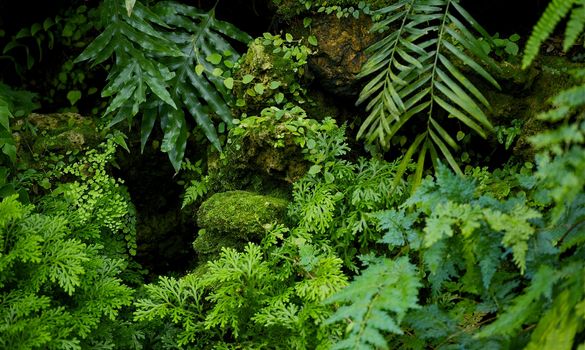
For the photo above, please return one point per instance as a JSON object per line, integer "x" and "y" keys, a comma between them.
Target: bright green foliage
{"x": 55, "y": 287}
{"x": 415, "y": 76}
{"x": 554, "y": 13}
{"x": 98, "y": 200}
{"x": 271, "y": 73}
{"x": 378, "y": 300}
{"x": 197, "y": 184}
{"x": 274, "y": 289}
{"x": 336, "y": 199}
{"x": 170, "y": 60}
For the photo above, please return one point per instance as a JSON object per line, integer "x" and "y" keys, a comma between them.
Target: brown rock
{"x": 341, "y": 52}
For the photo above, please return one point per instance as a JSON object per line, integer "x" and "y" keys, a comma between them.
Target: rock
{"x": 340, "y": 55}
{"x": 230, "y": 219}
{"x": 58, "y": 132}
{"x": 241, "y": 214}
{"x": 262, "y": 157}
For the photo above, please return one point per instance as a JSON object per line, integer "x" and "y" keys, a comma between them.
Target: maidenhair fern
{"x": 377, "y": 301}
{"x": 416, "y": 73}
{"x": 170, "y": 63}
{"x": 554, "y": 13}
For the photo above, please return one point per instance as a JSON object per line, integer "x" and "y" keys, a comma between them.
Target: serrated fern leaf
{"x": 415, "y": 77}
{"x": 375, "y": 303}
{"x": 156, "y": 54}
{"x": 524, "y": 305}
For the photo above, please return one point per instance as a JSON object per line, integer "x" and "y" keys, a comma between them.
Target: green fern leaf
{"x": 378, "y": 301}
{"x": 524, "y": 306}
{"x": 156, "y": 52}
{"x": 575, "y": 26}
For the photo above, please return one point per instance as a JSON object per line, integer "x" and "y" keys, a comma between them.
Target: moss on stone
{"x": 240, "y": 214}
{"x": 230, "y": 219}
{"x": 58, "y": 132}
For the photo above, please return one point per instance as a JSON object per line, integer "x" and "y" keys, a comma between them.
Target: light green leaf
{"x": 312, "y": 40}
{"x": 214, "y": 58}
{"x": 229, "y": 83}
{"x": 73, "y": 96}
{"x": 130, "y": 6}
{"x": 247, "y": 78}
{"x": 259, "y": 88}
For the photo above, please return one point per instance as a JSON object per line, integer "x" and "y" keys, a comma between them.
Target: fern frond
{"x": 524, "y": 306}
{"x": 416, "y": 77}
{"x": 378, "y": 301}
{"x": 172, "y": 56}
{"x": 555, "y": 11}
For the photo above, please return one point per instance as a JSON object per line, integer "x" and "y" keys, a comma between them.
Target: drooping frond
{"x": 170, "y": 62}
{"x": 418, "y": 75}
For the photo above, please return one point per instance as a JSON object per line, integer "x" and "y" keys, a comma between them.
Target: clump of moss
{"x": 230, "y": 219}
{"x": 57, "y": 132}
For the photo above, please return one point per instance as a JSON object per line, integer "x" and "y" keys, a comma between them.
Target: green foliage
{"x": 66, "y": 33}
{"x": 416, "y": 75}
{"x": 56, "y": 287}
{"x": 554, "y": 13}
{"x": 274, "y": 289}
{"x": 97, "y": 199}
{"x": 336, "y": 199}
{"x": 271, "y": 72}
{"x": 379, "y": 299}
{"x": 198, "y": 184}
{"x": 169, "y": 60}
{"x": 506, "y": 48}
{"x": 341, "y": 8}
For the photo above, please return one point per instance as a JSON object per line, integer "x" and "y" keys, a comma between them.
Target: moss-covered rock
{"x": 262, "y": 154}
{"x": 58, "y": 132}
{"x": 526, "y": 93}
{"x": 230, "y": 219}
{"x": 271, "y": 72}
{"x": 241, "y": 214}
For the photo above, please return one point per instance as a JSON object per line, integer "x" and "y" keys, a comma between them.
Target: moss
{"x": 59, "y": 132}
{"x": 240, "y": 214}
{"x": 230, "y": 219}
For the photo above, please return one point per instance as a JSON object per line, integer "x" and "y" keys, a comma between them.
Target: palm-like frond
{"x": 172, "y": 56}
{"x": 415, "y": 74}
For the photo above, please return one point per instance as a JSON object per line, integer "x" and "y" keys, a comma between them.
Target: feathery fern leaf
{"x": 554, "y": 13}
{"x": 415, "y": 75}
{"x": 378, "y": 301}
{"x": 172, "y": 56}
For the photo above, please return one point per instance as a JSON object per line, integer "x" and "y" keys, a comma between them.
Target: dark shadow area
{"x": 506, "y": 16}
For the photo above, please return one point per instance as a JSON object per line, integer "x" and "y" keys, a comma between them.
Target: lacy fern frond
{"x": 416, "y": 75}
{"x": 554, "y": 13}
{"x": 377, "y": 301}
{"x": 170, "y": 62}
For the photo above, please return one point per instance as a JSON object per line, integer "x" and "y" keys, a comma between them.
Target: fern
{"x": 378, "y": 301}
{"x": 554, "y": 13}
{"x": 416, "y": 76}
{"x": 169, "y": 60}
{"x": 55, "y": 289}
